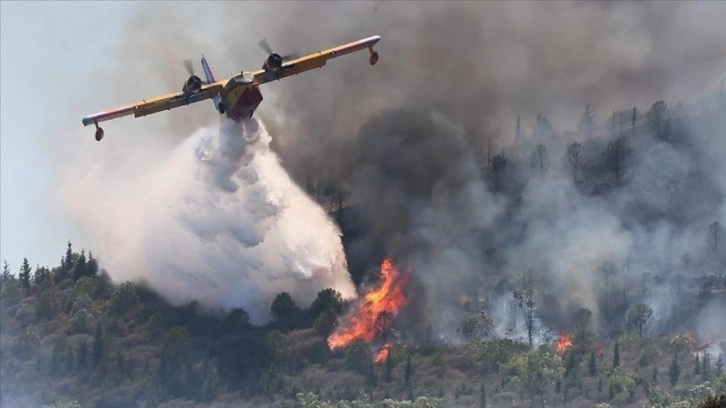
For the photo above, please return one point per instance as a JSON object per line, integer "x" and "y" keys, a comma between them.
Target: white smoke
{"x": 217, "y": 220}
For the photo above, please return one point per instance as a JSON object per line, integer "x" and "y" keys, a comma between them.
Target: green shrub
{"x": 124, "y": 299}
{"x": 80, "y": 322}
{"x": 48, "y": 304}
{"x": 649, "y": 355}
{"x": 358, "y": 357}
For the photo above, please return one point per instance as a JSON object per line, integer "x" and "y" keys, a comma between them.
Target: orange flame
{"x": 383, "y": 354}
{"x": 366, "y": 321}
{"x": 564, "y": 343}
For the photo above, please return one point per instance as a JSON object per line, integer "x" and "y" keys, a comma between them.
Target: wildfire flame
{"x": 374, "y": 314}
{"x": 564, "y": 343}
{"x": 383, "y": 354}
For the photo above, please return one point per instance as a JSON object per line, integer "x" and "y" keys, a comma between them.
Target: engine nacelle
{"x": 192, "y": 85}
{"x": 273, "y": 62}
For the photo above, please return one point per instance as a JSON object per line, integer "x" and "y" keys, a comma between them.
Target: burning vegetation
{"x": 564, "y": 343}
{"x": 373, "y": 317}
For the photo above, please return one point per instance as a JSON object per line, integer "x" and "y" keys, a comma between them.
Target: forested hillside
{"x": 69, "y": 334}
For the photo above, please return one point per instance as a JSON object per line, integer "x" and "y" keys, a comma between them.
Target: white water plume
{"x": 218, "y": 221}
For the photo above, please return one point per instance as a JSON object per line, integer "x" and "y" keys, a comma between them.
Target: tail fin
{"x": 217, "y": 100}
{"x": 207, "y": 71}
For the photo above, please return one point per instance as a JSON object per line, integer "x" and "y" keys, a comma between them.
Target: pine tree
{"x": 79, "y": 269}
{"x": 66, "y": 264}
{"x": 68, "y": 258}
{"x": 6, "y": 275}
{"x": 616, "y": 356}
{"x": 91, "y": 265}
{"x": 41, "y": 275}
{"x": 25, "y": 275}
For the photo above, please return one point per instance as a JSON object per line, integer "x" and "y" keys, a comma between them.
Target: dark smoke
{"x": 445, "y": 96}
{"x": 406, "y": 137}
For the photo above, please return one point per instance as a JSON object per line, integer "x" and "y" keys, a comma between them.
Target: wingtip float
{"x": 238, "y": 96}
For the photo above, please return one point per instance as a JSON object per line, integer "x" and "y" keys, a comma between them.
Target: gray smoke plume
{"x": 411, "y": 139}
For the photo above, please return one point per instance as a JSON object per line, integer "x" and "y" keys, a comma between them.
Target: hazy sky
{"x": 47, "y": 49}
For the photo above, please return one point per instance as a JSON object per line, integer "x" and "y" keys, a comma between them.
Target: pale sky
{"x": 55, "y": 63}
{"x": 46, "y": 51}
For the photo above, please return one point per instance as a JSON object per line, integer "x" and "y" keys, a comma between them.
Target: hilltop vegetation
{"x": 69, "y": 334}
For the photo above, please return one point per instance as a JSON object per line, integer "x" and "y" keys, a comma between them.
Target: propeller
{"x": 266, "y": 47}
{"x": 190, "y": 69}
{"x": 189, "y": 66}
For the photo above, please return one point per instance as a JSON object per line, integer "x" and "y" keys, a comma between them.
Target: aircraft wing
{"x": 158, "y": 104}
{"x": 315, "y": 60}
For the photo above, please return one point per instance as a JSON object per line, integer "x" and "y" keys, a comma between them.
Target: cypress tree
{"x": 616, "y": 356}
{"x": 593, "y": 363}
{"x": 675, "y": 371}
{"x": 389, "y": 367}
{"x": 69, "y": 360}
{"x": 571, "y": 364}
{"x": 97, "y": 345}
{"x": 482, "y": 396}
{"x": 706, "y": 365}
{"x": 697, "y": 366}
{"x": 82, "y": 354}
{"x": 408, "y": 371}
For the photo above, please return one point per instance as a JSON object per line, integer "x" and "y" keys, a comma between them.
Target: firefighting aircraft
{"x": 238, "y": 96}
